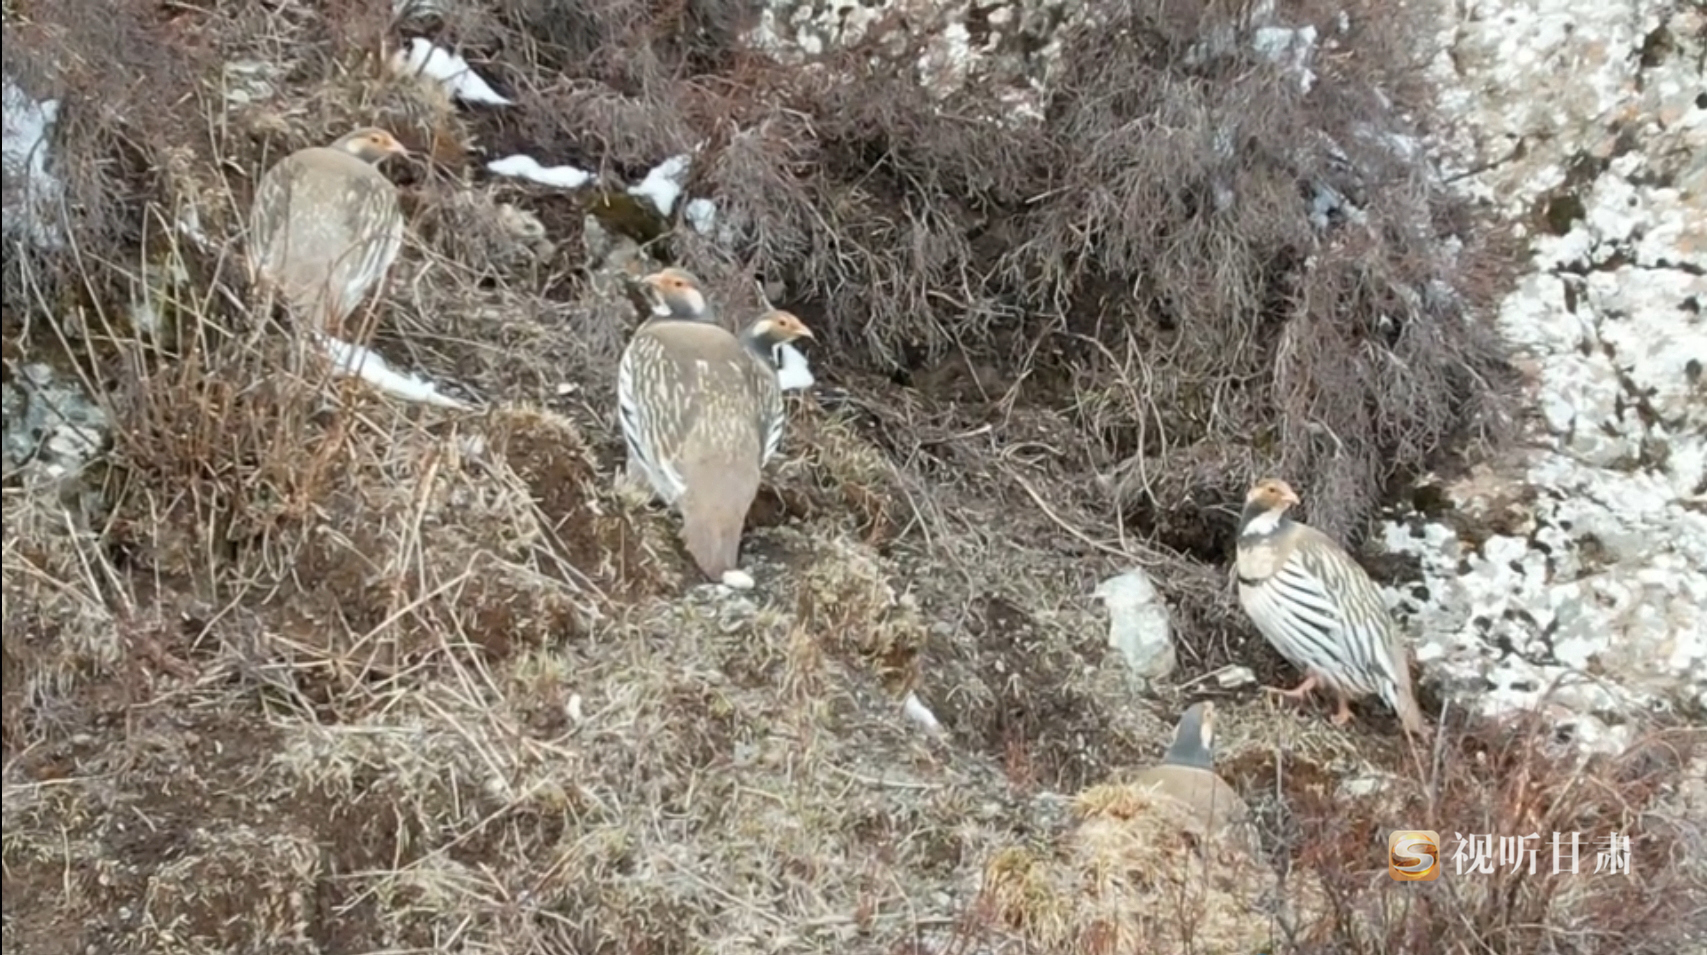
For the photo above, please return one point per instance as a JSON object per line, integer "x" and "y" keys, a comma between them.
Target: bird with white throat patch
{"x": 1320, "y": 609}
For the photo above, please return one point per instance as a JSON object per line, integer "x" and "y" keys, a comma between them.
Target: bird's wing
{"x": 772, "y": 415}
{"x": 672, "y": 376}
{"x": 648, "y": 401}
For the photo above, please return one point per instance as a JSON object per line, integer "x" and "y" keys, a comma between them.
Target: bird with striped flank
{"x": 325, "y": 226}
{"x": 701, "y": 414}
{"x": 1319, "y": 608}
{"x": 1187, "y": 776}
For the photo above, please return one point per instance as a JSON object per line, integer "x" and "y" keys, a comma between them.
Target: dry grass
{"x": 294, "y": 669}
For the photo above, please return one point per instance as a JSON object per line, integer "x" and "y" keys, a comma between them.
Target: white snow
{"x": 35, "y": 215}
{"x": 526, "y": 167}
{"x": 351, "y": 359}
{"x": 663, "y": 183}
{"x": 701, "y": 215}
{"x": 420, "y": 57}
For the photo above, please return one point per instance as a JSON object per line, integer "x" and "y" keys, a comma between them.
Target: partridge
{"x": 676, "y": 293}
{"x": 701, "y": 414}
{"x": 1319, "y": 608}
{"x": 326, "y": 226}
{"x": 1186, "y": 775}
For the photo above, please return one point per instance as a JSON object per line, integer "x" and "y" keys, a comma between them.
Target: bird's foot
{"x": 1342, "y": 715}
{"x": 1296, "y": 694}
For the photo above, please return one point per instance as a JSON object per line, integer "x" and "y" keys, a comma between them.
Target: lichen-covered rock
{"x": 33, "y": 190}
{"x": 51, "y": 425}
{"x": 1010, "y": 41}
{"x": 1574, "y": 577}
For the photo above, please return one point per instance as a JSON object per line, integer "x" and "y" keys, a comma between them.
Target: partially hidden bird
{"x": 701, "y": 414}
{"x": 1320, "y": 609}
{"x": 326, "y": 226}
{"x": 1186, "y": 775}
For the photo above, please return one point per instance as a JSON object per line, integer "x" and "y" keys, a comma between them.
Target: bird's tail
{"x": 1400, "y": 694}
{"x": 714, "y": 509}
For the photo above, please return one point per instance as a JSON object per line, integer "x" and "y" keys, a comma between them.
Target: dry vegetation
{"x": 314, "y": 672}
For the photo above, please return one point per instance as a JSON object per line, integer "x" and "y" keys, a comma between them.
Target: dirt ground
{"x": 295, "y": 668}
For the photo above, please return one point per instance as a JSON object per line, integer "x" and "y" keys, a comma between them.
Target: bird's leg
{"x": 1343, "y": 714}
{"x": 1298, "y": 692}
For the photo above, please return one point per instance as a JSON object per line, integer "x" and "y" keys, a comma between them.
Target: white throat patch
{"x": 1263, "y": 524}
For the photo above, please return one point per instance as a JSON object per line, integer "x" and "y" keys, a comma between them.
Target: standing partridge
{"x": 701, "y": 413}
{"x": 1187, "y": 776}
{"x": 326, "y": 226}
{"x": 1319, "y": 608}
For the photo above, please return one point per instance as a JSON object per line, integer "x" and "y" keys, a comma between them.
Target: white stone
{"x": 738, "y": 580}
{"x": 1138, "y": 625}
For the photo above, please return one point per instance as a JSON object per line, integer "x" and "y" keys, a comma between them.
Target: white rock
{"x": 1233, "y": 677}
{"x": 738, "y": 580}
{"x": 1138, "y": 625}
{"x": 50, "y": 424}
{"x": 918, "y": 712}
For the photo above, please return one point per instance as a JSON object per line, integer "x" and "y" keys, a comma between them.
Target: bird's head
{"x": 1270, "y": 495}
{"x": 1194, "y": 737}
{"x": 370, "y": 144}
{"x": 675, "y": 293}
{"x": 778, "y": 328}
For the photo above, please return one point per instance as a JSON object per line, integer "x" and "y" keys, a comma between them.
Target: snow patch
{"x": 364, "y": 363}
{"x": 34, "y": 214}
{"x": 420, "y": 57}
{"x": 526, "y": 167}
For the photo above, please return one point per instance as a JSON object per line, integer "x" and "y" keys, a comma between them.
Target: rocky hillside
{"x": 291, "y": 665}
